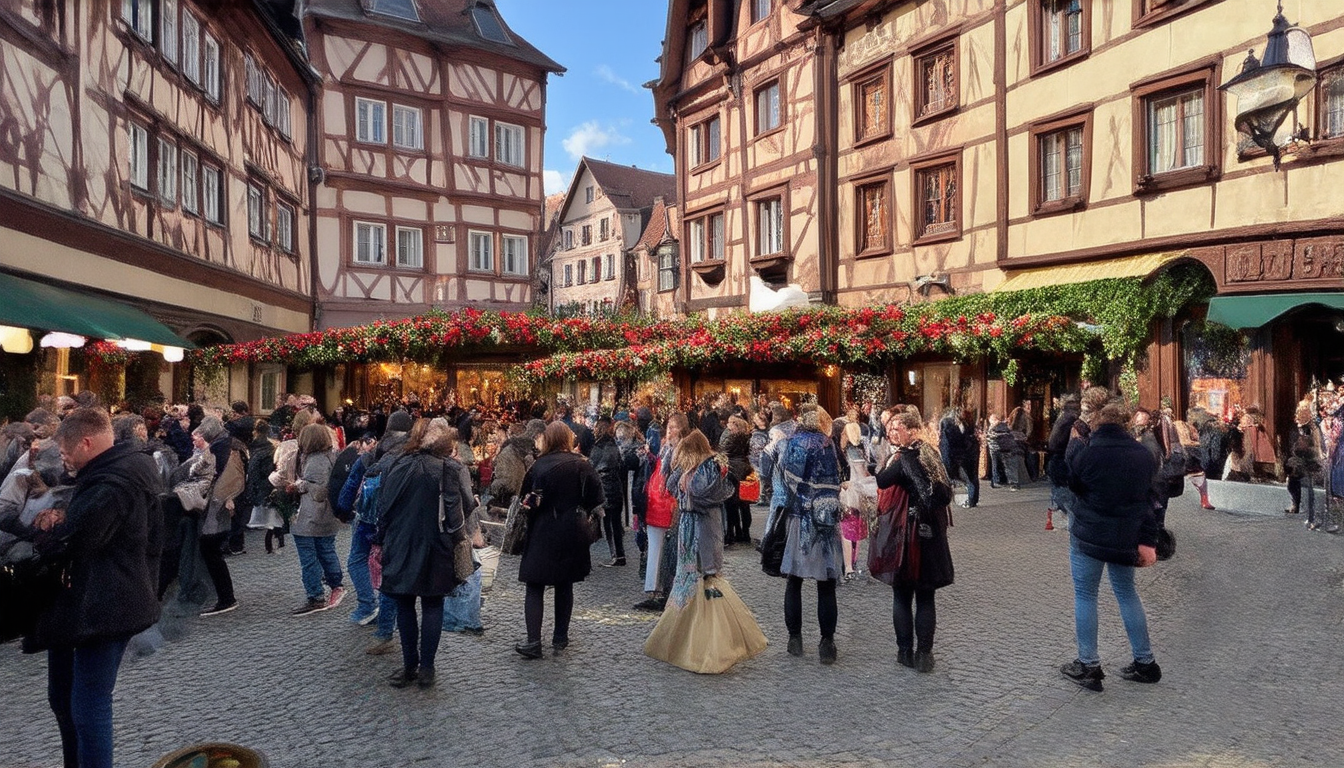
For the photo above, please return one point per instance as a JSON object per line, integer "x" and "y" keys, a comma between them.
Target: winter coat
{"x": 1058, "y": 444}
{"x": 737, "y": 447}
{"x": 260, "y": 465}
{"x": 710, "y": 425}
{"x": 756, "y": 443}
{"x": 314, "y": 517}
{"x": 341, "y": 466}
{"x": 112, "y": 535}
{"x": 612, "y": 463}
{"x": 229, "y": 483}
{"x": 177, "y": 438}
{"x": 1305, "y": 451}
{"x": 701, "y": 505}
{"x": 417, "y": 546}
{"x": 1160, "y": 492}
{"x": 556, "y": 551}
{"x": 957, "y": 443}
{"x": 1006, "y": 441}
{"x": 1212, "y": 448}
{"x": 1113, "y": 514}
{"x": 583, "y": 436}
{"x": 926, "y": 560}
{"x": 515, "y": 457}
{"x": 809, "y": 489}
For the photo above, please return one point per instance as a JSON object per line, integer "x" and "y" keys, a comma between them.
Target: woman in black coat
{"x": 909, "y": 548}
{"x": 564, "y": 487}
{"x": 422, "y": 508}
{"x": 735, "y": 444}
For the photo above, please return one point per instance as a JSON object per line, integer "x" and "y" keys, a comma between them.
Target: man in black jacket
{"x": 1113, "y": 528}
{"x": 1055, "y": 447}
{"x": 960, "y": 449}
{"x": 111, "y": 534}
{"x": 612, "y": 465}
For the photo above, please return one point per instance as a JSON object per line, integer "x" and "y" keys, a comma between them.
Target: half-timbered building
{"x": 430, "y": 133}
{"x": 154, "y": 153}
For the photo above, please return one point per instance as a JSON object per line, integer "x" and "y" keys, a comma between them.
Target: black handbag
{"x": 773, "y": 542}
{"x": 29, "y": 583}
{"x": 1166, "y": 544}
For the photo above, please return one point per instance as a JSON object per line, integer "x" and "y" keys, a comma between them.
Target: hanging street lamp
{"x": 1269, "y": 90}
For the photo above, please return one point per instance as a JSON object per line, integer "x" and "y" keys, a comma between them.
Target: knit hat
{"x": 210, "y": 429}
{"x": 399, "y": 421}
{"x": 534, "y": 427}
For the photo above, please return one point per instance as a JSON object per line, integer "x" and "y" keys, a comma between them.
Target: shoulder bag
{"x": 464, "y": 565}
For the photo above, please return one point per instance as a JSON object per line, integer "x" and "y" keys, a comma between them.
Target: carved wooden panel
{"x": 1318, "y": 258}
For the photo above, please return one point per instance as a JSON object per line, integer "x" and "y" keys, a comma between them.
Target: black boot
{"x": 905, "y": 657}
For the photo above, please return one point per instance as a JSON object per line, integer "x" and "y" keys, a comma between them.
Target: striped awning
{"x": 1142, "y": 265}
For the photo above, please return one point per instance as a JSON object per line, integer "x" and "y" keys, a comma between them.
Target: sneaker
{"x": 651, "y": 604}
{"x": 826, "y": 650}
{"x": 364, "y": 619}
{"x": 923, "y": 661}
{"x": 310, "y": 606}
{"x": 336, "y": 596}
{"x": 220, "y": 608}
{"x": 905, "y": 657}
{"x": 1088, "y": 676}
{"x": 615, "y": 562}
{"x": 795, "y": 645}
{"x": 1332, "y": 529}
{"x": 1142, "y": 673}
{"x": 382, "y": 647}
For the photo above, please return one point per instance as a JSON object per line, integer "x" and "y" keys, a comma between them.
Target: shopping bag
{"x": 750, "y": 488}
{"x": 713, "y": 631}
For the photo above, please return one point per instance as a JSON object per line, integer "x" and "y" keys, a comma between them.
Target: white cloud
{"x": 590, "y": 137}
{"x": 606, "y": 73}
{"x": 555, "y": 182}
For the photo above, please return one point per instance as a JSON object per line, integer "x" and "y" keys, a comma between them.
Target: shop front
{"x": 748, "y": 383}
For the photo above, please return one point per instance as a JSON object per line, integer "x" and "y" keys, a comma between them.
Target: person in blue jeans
{"x": 314, "y": 526}
{"x": 361, "y": 537}
{"x": 1113, "y": 529}
{"x": 112, "y": 533}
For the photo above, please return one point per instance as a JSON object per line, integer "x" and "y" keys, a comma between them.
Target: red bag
{"x": 750, "y": 489}
{"x": 661, "y": 503}
{"x": 376, "y": 566}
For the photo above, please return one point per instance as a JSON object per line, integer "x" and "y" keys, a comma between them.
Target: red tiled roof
{"x": 630, "y": 187}
{"x": 656, "y": 229}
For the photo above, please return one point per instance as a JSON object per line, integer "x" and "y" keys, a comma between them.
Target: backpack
{"x": 366, "y": 504}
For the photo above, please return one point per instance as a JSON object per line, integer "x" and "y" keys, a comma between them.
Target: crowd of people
{"x": 146, "y": 507}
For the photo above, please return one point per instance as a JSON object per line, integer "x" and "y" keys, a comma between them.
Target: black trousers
{"x": 611, "y": 525}
{"x": 532, "y": 610}
{"x": 918, "y": 624}
{"x": 212, "y": 553}
{"x": 827, "y": 612}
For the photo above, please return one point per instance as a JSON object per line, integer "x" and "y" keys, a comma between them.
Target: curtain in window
{"x": 876, "y": 220}
{"x": 1162, "y": 135}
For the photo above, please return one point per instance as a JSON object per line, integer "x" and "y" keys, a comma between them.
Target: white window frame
{"x": 284, "y": 227}
{"x": 697, "y": 238}
{"x": 667, "y": 270}
{"x": 514, "y": 251}
{"x": 284, "y": 110}
{"x": 210, "y": 80}
{"x": 609, "y": 266}
{"x": 770, "y": 226}
{"x": 410, "y": 247}
{"x": 270, "y": 109}
{"x": 377, "y": 245}
{"x": 139, "y": 16}
{"x": 480, "y": 260}
{"x": 407, "y": 130}
{"x": 191, "y": 47}
{"x": 256, "y": 211}
{"x": 699, "y": 39}
{"x": 509, "y": 148}
{"x": 168, "y": 30}
{"x": 190, "y": 181}
{"x": 212, "y": 194}
{"x": 167, "y": 167}
{"x": 478, "y": 137}
{"x": 138, "y": 155}
{"x": 370, "y": 121}
{"x": 254, "y": 89}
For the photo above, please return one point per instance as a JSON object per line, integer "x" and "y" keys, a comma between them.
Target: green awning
{"x": 1255, "y": 311}
{"x": 41, "y": 307}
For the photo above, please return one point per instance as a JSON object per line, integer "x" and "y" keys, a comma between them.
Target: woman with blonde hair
{"x": 858, "y": 494}
{"x": 314, "y": 526}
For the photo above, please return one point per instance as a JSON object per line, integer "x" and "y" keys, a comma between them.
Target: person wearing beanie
{"x": 388, "y": 450}
{"x": 400, "y": 421}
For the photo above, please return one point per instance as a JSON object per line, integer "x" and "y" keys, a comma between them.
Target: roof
{"x": 447, "y": 22}
{"x": 629, "y": 187}
{"x": 658, "y": 228}
{"x": 553, "y": 205}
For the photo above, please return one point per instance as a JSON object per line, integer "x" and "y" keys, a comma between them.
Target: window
{"x": 370, "y": 121}
{"x": 937, "y": 198}
{"x": 509, "y": 144}
{"x": 406, "y": 127}
{"x": 370, "y": 243}
{"x": 480, "y": 137}
{"x": 1331, "y": 108}
{"x": 583, "y": 271}
{"x": 667, "y": 269}
{"x": 587, "y": 238}
{"x": 706, "y": 239}
{"x": 1177, "y": 136}
{"x": 410, "y": 249}
{"x": 597, "y": 268}
{"x": 588, "y": 194}
{"x": 769, "y": 226}
{"x": 167, "y": 171}
{"x": 1059, "y": 165}
{"x": 873, "y": 120}
{"x": 1061, "y": 30}
{"x": 190, "y": 166}
{"x": 604, "y": 229}
{"x": 874, "y": 217}
{"x": 270, "y": 102}
{"x": 168, "y": 30}
{"x": 569, "y": 275}
{"x": 767, "y": 108}
{"x": 402, "y": 9}
{"x": 569, "y": 239}
{"x": 936, "y": 81}
{"x": 1175, "y": 131}
{"x": 282, "y": 112}
{"x": 515, "y": 254}
{"x": 760, "y": 9}
{"x": 1151, "y": 11}
{"x": 191, "y": 47}
{"x": 488, "y": 24}
{"x": 284, "y": 227}
{"x": 609, "y": 267}
{"x": 212, "y": 191}
{"x": 254, "y": 91}
{"x": 482, "y": 252}
{"x": 139, "y": 16}
{"x": 699, "y": 39}
{"x": 256, "y": 211}
{"x": 210, "y": 67}
{"x": 705, "y": 142}
{"x": 139, "y": 156}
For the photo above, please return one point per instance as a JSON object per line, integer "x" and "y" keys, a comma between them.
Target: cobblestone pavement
{"x": 1246, "y": 621}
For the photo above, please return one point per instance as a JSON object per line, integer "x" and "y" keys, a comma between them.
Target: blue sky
{"x": 599, "y": 107}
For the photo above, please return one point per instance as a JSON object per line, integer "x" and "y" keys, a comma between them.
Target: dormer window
{"x": 488, "y": 24}
{"x": 400, "y": 9}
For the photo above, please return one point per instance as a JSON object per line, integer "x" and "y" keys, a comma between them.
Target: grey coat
{"x": 314, "y": 517}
